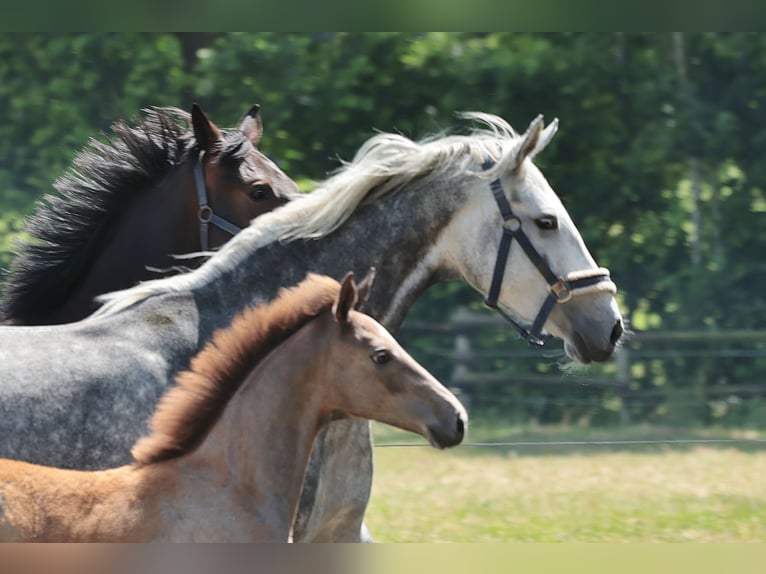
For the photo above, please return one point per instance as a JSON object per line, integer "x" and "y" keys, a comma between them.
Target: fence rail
{"x": 707, "y": 359}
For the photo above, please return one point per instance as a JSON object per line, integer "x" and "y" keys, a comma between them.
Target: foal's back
{"x": 39, "y": 503}
{"x": 132, "y": 503}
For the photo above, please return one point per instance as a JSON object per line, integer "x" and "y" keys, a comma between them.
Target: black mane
{"x": 105, "y": 178}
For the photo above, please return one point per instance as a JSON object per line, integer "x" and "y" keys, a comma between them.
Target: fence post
{"x": 461, "y": 358}
{"x": 622, "y": 357}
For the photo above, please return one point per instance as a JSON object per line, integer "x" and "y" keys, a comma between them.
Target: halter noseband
{"x": 561, "y": 289}
{"x": 206, "y": 214}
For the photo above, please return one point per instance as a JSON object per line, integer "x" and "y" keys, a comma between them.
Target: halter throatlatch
{"x": 561, "y": 289}
{"x": 206, "y": 214}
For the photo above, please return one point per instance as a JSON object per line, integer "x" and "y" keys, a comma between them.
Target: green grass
{"x": 689, "y": 493}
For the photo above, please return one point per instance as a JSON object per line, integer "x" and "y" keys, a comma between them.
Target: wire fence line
{"x": 520, "y": 444}
{"x": 659, "y": 377}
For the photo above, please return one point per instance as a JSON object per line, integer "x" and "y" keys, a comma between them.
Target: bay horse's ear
{"x": 206, "y": 132}
{"x": 363, "y": 288}
{"x": 529, "y": 143}
{"x": 251, "y": 125}
{"x": 346, "y": 299}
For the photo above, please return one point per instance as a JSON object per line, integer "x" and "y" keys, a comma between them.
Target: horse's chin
{"x": 577, "y": 349}
{"x": 571, "y": 351}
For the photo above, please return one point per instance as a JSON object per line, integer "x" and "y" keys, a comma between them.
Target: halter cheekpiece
{"x": 206, "y": 215}
{"x": 561, "y": 289}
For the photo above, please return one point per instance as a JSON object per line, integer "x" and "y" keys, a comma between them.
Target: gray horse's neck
{"x": 393, "y": 234}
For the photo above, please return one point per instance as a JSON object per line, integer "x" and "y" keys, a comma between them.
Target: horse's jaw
{"x": 591, "y": 327}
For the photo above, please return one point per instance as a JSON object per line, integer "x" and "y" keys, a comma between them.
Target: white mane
{"x": 384, "y": 164}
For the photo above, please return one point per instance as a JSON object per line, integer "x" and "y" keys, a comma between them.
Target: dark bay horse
{"x": 128, "y": 205}
{"x": 470, "y": 207}
{"x": 230, "y": 442}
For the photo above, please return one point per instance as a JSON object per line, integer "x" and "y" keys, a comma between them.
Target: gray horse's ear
{"x": 363, "y": 288}
{"x": 546, "y": 136}
{"x": 529, "y": 143}
{"x": 206, "y": 132}
{"x": 346, "y": 299}
{"x": 251, "y": 125}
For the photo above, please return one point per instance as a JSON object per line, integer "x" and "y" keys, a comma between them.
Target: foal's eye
{"x": 380, "y": 356}
{"x": 260, "y": 191}
{"x": 547, "y": 222}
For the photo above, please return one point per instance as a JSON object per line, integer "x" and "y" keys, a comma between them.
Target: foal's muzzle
{"x": 442, "y": 437}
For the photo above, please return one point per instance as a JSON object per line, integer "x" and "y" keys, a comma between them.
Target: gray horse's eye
{"x": 547, "y": 222}
{"x": 380, "y": 356}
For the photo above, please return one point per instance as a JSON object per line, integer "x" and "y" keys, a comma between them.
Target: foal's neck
{"x": 262, "y": 443}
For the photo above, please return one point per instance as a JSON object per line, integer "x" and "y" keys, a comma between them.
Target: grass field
{"x": 683, "y": 493}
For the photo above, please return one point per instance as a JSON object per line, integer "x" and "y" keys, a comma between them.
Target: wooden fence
{"x": 712, "y": 369}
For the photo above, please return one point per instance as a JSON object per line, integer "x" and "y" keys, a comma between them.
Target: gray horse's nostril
{"x": 460, "y": 427}
{"x": 616, "y": 332}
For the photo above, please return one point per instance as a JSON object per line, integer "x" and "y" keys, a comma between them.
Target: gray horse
{"x": 79, "y": 395}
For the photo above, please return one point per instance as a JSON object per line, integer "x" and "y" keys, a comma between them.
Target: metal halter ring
{"x": 512, "y": 224}
{"x": 205, "y": 214}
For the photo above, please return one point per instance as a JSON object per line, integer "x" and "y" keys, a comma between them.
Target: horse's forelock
{"x": 236, "y": 146}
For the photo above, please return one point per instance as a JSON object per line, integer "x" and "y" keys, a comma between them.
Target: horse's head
{"x": 549, "y": 278}
{"x": 373, "y": 377}
{"x": 235, "y": 182}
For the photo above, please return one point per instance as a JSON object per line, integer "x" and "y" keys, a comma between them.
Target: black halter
{"x": 206, "y": 214}
{"x": 561, "y": 289}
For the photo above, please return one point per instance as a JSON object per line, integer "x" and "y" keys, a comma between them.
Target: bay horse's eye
{"x": 260, "y": 192}
{"x": 380, "y": 356}
{"x": 547, "y": 222}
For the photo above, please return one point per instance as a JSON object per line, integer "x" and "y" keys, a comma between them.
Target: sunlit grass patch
{"x": 699, "y": 493}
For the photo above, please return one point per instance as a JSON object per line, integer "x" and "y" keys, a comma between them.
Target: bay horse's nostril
{"x": 460, "y": 427}
{"x": 616, "y": 332}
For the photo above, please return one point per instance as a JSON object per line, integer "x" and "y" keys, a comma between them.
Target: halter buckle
{"x": 561, "y": 291}
{"x": 205, "y": 214}
{"x": 512, "y": 224}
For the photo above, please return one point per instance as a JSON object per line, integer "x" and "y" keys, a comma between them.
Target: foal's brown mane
{"x": 187, "y": 412}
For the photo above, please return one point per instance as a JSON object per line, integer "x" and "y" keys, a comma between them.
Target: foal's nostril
{"x": 460, "y": 427}
{"x": 616, "y": 332}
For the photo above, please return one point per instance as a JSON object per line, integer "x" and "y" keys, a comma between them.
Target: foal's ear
{"x": 251, "y": 125}
{"x": 363, "y": 288}
{"x": 529, "y": 143}
{"x": 206, "y": 132}
{"x": 346, "y": 299}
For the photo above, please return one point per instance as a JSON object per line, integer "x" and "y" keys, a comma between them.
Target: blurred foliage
{"x": 636, "y": 114}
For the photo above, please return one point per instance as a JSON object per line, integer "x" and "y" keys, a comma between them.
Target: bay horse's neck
{"x": 160, "y": 222}
{"x": 261, "y": 445}
{"x": 395, "y": 234}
